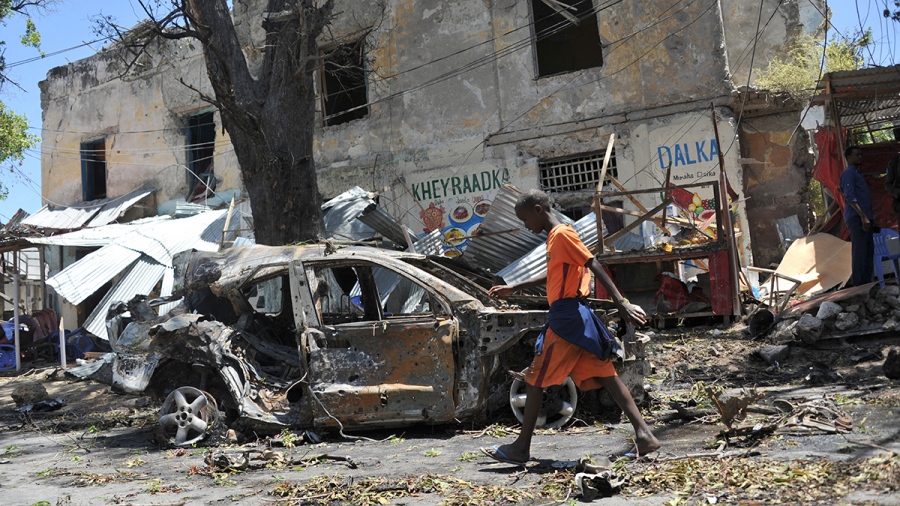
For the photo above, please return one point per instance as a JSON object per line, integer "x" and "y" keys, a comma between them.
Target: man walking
{"x": 858, "y": 218}
{"x": 575, "y": 343}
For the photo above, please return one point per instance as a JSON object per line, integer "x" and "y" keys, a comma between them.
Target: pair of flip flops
{"x": 497, "y": 454}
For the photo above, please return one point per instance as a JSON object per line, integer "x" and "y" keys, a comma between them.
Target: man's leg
{"x": 644, "y": 439}
{"x": 520, "y": 449}
{"x": 857, "y": 250}
{"x": 868, "y": 273}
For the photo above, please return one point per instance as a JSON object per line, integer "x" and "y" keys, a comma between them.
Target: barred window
{"x": 575, "y": 173}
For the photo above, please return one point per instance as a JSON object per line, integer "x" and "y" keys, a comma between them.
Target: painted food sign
{"x": 456, "y": 205}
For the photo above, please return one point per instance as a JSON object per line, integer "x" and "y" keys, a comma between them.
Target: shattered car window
{"x": 265, "y": 296}
{"x": 400, "y": 296}
{"x": 333, "y": 293}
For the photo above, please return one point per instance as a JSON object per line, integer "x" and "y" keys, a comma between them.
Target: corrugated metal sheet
{"x": 242, "y": 241}
{"x": 340, "y": 215}
{"x": 112, "y": 210}
{"x": 429, "y": 244}
{"x": 534, "y": 263}
{"x": 140, "y": 280}
{"x": 865, "y": 96}
{"x": 385, "y": 224}
{"x": 185, "y": 209}
{"x": 96, "y": 237}
{"x": 494, "y": 252}
{"x": 163, "y": 240}
{"x": 97, "y": 212}
{"x": 159, "y": 240}
{"x": 81, "y": 279}
{"x": 166, "y": 289}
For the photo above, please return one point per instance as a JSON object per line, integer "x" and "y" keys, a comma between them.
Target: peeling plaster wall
{"x": 426, "y": 124}
{"x": 142, "y": 117}
{"x": 777, "y": 185}
{"x": 452, "y": 93}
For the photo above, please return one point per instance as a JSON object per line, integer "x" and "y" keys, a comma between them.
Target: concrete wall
{"x": 143, "y": 118}
{"x": 452, "y": 92}
{"x": 776, "y": 175}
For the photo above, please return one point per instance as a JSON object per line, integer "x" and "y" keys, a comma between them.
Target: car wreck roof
{"x": 241, "y": 263}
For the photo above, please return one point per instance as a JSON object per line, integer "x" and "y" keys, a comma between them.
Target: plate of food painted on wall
{"x": 455, "y": 236}
{"x": 482, "y": 208}
{"x": 461, "y": 213}
{"x": 474, "y": 230}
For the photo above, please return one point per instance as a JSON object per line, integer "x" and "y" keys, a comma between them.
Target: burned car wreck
{"x": 314, "y": 336}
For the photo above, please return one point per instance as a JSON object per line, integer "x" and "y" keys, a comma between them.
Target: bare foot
{"x": 646, "y": 442}
{"x": 516, "y": 454}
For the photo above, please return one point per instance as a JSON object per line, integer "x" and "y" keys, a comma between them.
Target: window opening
{"x": 566, "y": 36}
{"x": 576, "y": 173}
{"x": 344, "y": 84}
{"x": 93, "y": 170}
{"x": 201, "y": 140}
{"x": 578, "y": 177}
{"x": 400, "y": 296}
{"x": 265, "y": 296}
{"x": 345, "y": 294}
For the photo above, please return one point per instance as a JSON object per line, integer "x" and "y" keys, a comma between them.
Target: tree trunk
{"x": 270, "y": 118}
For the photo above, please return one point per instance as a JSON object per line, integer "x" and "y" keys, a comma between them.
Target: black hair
{"x": 532, "y": 198}
{"x": 850, "y": 149}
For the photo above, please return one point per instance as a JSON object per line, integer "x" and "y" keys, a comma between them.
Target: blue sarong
{"x": 575, "y": 322}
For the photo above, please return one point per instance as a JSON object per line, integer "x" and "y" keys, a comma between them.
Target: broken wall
{"x": 777, "y": 24}
{"x": 142, "y": 115}
{"x": 456, "y": 106}
{"x": 777, "y": 162}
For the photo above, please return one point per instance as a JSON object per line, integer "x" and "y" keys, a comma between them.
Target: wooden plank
{"x": 635, "y": 223}
{"x": 667, "y": 193}
{"x": 609, "y": 146}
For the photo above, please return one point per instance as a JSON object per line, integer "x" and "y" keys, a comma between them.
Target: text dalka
{"x": 687, "y": 153}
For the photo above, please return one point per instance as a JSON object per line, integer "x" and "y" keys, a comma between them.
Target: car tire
{"x": 557, "y": 407}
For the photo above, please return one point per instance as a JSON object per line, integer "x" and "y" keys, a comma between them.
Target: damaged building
{"x": 438, "y": 105}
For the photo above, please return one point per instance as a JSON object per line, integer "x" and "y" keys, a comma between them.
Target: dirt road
{"x": 99, "y": 449}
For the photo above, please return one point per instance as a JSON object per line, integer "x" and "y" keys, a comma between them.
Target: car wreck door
{"x": 380, "y": 348}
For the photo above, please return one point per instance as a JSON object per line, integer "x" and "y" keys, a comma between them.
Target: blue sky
{"x": 69, "y": 25}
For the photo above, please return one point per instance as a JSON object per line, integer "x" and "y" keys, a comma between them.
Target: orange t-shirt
{"x": 567, "y": 276}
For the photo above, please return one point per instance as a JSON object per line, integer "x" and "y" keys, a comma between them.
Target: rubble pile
{"x": 872, "y": 312}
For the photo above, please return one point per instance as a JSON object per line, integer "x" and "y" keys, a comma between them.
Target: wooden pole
{"x": 62, "y": 342}
{"x": 667, "y": 193}
{"x": 597, "y": 213}
{"x": 836, "y": 115}
{"x": 227, "y": 222}
{"x": 16, "y": 310}
{"x": 727, "y": 226}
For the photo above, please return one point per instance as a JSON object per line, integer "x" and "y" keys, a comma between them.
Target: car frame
{"x": 306, "y": 337}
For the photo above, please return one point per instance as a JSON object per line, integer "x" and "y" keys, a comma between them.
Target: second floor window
{"x": 566, "y": 36}
{"x": 93, "y": 170}
{"x": 344, "y": 95}
{"x": 201, "y": 143}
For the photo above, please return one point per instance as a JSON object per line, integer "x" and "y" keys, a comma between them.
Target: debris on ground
{"x": 29, "y": 392}
{"x": 891, "y": 365}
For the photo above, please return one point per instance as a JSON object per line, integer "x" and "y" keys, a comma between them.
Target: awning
{"x": 864, "y": 97}
{"x": 146, "y": 243}
{"x": 95, "y": 213}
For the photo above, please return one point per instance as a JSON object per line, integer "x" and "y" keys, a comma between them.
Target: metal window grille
{"x": 577, "y": 173}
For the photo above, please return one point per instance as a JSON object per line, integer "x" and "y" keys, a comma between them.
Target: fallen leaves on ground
{"x": 802, "y": 481}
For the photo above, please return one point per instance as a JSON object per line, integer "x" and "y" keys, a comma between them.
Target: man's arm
{"x": 631, "y": 312}
{"x": 507, "y": 290}
{"x": 866, "y": 224}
